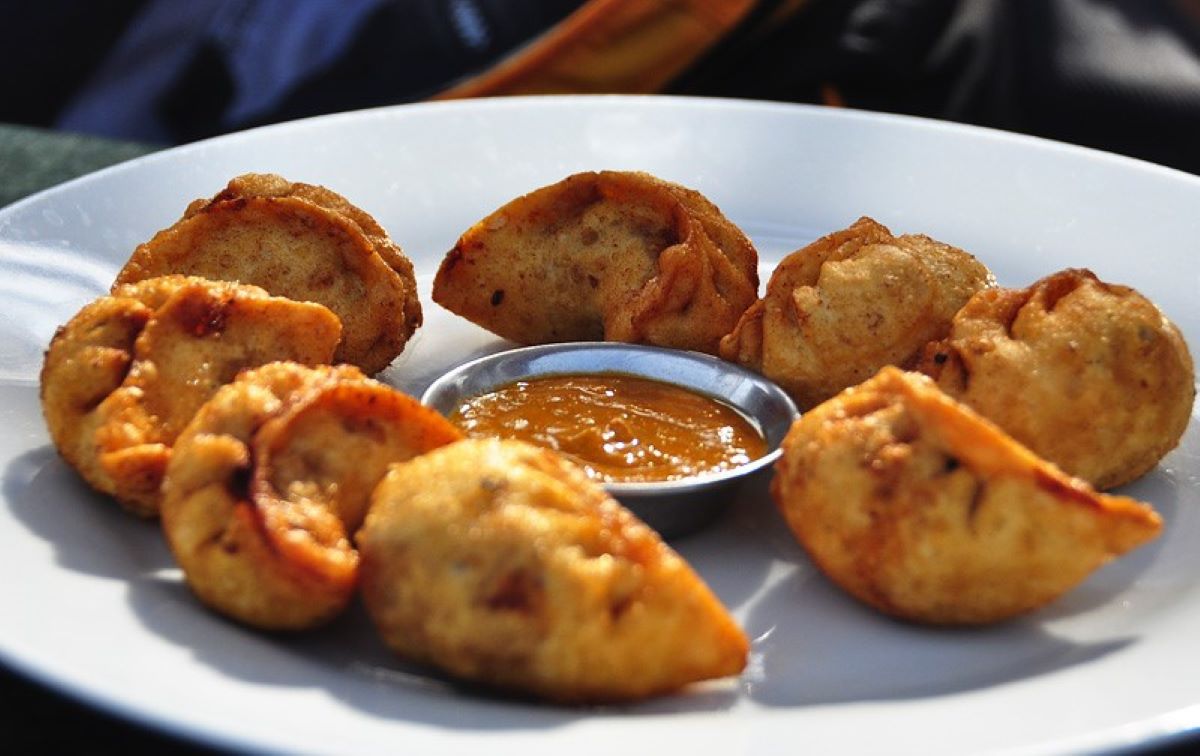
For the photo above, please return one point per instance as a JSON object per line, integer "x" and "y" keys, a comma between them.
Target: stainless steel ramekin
{"x": 676, "y": 507}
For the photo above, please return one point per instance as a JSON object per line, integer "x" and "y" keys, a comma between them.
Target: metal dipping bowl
{"x": 676, "y": 507}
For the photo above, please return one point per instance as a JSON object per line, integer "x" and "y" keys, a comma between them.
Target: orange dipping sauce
{"x": 619, "y": 428}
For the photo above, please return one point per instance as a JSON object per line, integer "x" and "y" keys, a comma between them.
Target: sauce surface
{"x": 619, "y": 428}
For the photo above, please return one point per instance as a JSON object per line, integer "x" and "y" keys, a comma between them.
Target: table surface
{"x": 34, "y": 159}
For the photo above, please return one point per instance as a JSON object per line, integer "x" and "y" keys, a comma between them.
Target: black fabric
{"x": 37, "y": 720}
{"x": 1120, "y": 75}
{"x": 192, "y": 108}
{"x": 50, "y": 48}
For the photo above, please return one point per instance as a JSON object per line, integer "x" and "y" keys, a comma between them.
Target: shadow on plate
{"x": 735, "y": 552}
{"x": 92, "y": 535}
{"x": 89, "y": 531}
{"x": 348, "y": 661}
{"x": 815, "y": 644}
{"x": 344, "y": 659}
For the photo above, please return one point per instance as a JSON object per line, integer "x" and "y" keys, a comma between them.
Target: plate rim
{"x": 184, "y": 729}
{"x": 169, "y": 152}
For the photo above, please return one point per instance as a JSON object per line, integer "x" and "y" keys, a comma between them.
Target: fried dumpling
{"x": 298, "y": 241}
{"x": 849, "y": 303}
{"x": 1092, "y": 376}
{"x": 126, "y": 374}
{"x": 924, "y": 510}
{"x": 617, "y": 256}
{"x": 502, "y": 563}
{"x": 272, "y": 478}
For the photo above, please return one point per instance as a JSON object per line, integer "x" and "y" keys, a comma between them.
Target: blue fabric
{"x": 267, "y": 46}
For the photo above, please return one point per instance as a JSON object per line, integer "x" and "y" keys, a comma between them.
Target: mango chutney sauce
{"x": 619, "y": 428}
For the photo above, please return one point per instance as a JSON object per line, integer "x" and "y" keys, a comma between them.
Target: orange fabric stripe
{"x": 629, "y": 46}
{"x": 832, "y": 96}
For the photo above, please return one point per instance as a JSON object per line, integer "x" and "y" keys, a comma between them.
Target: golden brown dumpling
{"x": 619, "y": 256}
{"x": 124, "y": 376}
{"x": 298, "y": 241}
{"x": 271, "y": 479}
{"x": 1091, "y": 376}
{"x": 849, "y": 303}
{"x": 500, "y": 562}
{"x": 924, "y": 510}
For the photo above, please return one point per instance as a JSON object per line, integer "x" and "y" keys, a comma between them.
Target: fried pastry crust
{"x": 926, "y": 511}
{"x": 126, "y": 374}
{"x": 500, "y": 562}
{"x": 849, "y": 303}
{"x": 619, "y": 256}
{"x": 1092, "y": 376}
{"x": 298, "y": 241}
{"x": 272, "y": 478}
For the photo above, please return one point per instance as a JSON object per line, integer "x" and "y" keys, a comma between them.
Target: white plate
{"x": 92, "y": 604}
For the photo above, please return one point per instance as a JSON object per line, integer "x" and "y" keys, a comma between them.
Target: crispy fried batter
{"x": 619, "y": 256}
{"x": 849, "y": 303}
{"x": 299, "y": 241}
{"x": 1092, "y": 376}
{"x": 124, "y": 376}
{"x": 273, "y": 477}
{"x": 926, "y": 511}
{"x": 500, "y": 562}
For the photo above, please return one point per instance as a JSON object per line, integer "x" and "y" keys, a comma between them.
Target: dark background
{"x": 1120, "y": 75}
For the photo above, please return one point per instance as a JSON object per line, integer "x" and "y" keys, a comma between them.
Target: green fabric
{"x": 32, "y": 159}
